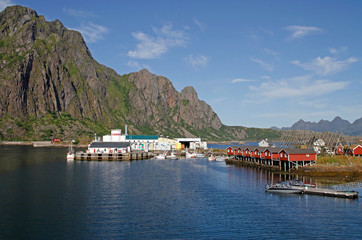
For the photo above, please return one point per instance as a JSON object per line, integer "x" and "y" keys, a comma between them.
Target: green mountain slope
{"x": 50, "y": 86}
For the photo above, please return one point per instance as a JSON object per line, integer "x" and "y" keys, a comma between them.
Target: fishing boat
{"x": 172, "y": 156}
{"x": 283, "y": 187}
{"x": 70, "y": 153}
{"x": 211, "y": 158}
{"x": 190, "y": 155}
{"x": 220, "y": 159}
{"x": 161, "y": 156}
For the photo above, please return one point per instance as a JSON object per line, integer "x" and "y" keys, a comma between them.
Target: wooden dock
{"x": 137, "y": 155}
{"x": 331, "y": 192}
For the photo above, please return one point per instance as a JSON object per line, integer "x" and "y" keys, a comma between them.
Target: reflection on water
{"x": 14, "y": 157}
{"x": 47, "y": 197}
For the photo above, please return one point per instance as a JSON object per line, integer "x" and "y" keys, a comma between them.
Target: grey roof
{"x": 109, "y": 144}
{"x": 298, "y": 150}
{"x": 278, "y": 149}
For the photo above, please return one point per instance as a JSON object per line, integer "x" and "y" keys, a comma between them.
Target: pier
{"x": 331, "y": 192}
{"x": 136, "y": 155}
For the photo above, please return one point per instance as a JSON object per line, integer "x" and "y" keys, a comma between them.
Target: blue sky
{"x": 257, "y": 63}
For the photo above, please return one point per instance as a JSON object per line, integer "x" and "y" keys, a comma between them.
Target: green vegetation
{"x": 339, "y": 160}
{"x": 185, "y": 102}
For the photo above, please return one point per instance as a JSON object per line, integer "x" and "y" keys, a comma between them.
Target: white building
{"x": 264, "y": 143}
{"x": 142, "y": 142}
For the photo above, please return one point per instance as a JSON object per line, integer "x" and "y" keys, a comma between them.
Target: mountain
{"x": 336, "y": 125}
{"x": 50, "y": 86}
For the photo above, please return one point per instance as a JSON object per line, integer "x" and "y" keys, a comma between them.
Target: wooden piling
{"x": 139, "y": 155}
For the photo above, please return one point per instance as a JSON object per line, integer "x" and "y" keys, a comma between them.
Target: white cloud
{"x": 150, "y": 47}
{"x": 78, "y": 13}
{"x": 5, "y": 3}
{"x": 337, "y": 51}
{"x": 298, "y": 87}
{"x": 241, "y": 80}
{"x": 92, "y": 32}
{"x": 267, "y": 31}
{"x": 197, "y": 61}
{"x": 201, "y": 25}
{"x": 327, "y": 65}
{"x": 264, "y": 65}
{"x": 138, "y": 66}
{"x": 301, "y": 31}
{"x": 272, "y": 53}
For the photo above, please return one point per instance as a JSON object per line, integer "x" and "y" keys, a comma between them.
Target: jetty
{"x": 331, "y": 193}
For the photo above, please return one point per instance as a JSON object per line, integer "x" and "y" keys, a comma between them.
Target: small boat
{"x": 283, "y": 187}
{"x": 190, "y": 155}
{"x": 199, "y": 155}
{"x": 300, "y": 184}
{"x": 211, "y": 158}
{"x": 161, "y": 156}
{"x": 70, "y": 153}
{"x": 172, "y": 156}
{"x": 220, "y": 159}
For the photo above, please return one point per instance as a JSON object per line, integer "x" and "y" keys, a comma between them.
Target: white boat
{"x": 199, "y": 155}
{"x": 211, "y": 158}
{"x": 172, "y": 156}
{"x": 219, "y": 159}
{"x": 161, "y": 156}
{"x": 190, "y": 155}
{"x": 299, "y": 184}
{"x": 283, "y": 187}
{"x": 70, "y": 153}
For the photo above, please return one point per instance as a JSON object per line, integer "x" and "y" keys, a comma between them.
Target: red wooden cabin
{"x": 357, "y": 150}
{"x": 339, "y": 150}
{"x": 295, "y": 154}
{"x": 256, "y": 153}
{"x": 247, "y": 152}
{"x": 266, "y": 154}
{"x": 230, "y": 151}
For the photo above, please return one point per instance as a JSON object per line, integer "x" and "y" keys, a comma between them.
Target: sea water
{"x": 42, "y": 196}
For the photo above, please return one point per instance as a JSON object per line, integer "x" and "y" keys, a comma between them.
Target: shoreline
{"x": 341, "y": 173}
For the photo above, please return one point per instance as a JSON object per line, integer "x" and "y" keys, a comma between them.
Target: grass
{"x": 340, "y": 160}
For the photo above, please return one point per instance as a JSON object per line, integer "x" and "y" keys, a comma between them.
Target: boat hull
{"x": 284, "y": 190}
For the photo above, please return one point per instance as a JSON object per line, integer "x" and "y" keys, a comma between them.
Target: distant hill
{"x": 336, "y": 125}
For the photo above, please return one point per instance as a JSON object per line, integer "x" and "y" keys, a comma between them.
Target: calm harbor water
{"x": 44, "y": 197}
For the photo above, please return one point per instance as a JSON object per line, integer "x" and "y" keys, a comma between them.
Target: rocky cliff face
{"x": 47, "y": 73}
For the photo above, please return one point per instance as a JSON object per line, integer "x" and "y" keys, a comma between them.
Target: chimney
{"x": 125, "y": 130}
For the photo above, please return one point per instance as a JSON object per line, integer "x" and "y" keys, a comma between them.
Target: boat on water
{"x": 283, "y": 187}
{"x": 190, "y": 155}
{"x": 299, "y": 184}
{"x": 172, "y": 156}
{"x": 211, "y": 158}
{"x": 161, "y": 156}
{"x": 220, "y": 159}
{"x": 70, "y": 153}
{"x": 199, "y": 155}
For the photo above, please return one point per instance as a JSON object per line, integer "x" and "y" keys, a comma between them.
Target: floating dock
{"x": 331, "y": 192}
{"x": 137, "y": 155}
